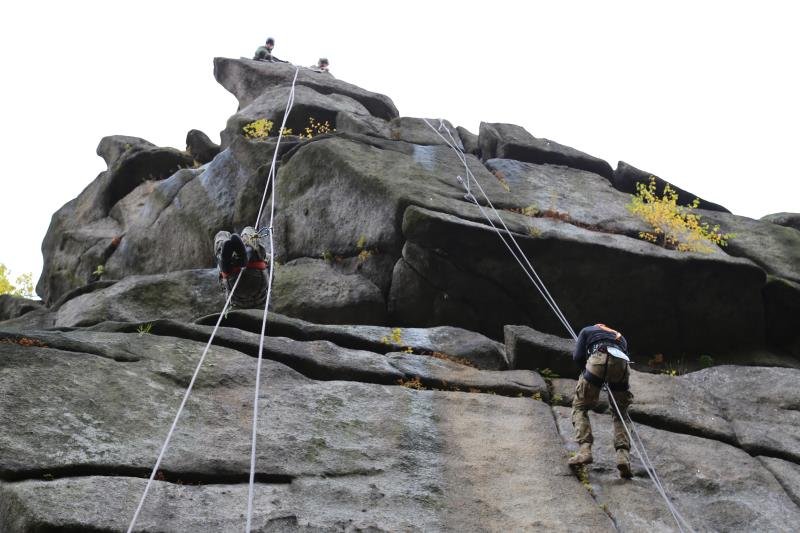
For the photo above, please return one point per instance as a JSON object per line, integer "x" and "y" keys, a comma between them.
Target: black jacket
{"x": 590, "y": 335}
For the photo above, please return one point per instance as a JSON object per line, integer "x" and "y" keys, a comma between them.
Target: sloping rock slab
{"x": 483, "y": 352}
{"x": 407, "y": 129}
{"x": 182, "y": 295}
{"x": 330, "y": 454}
{"x": 459, "y": 273}
{"x": 774, "y": 248}
{"x": 790, "y": 220}
{"x": 581, "y": 197}
{"x": 739, "y": 405}
{"x": 325, "y": 360}
{"x": 340, "y": 191}
{"x": 715, "y": 486}
{"x": 627, "y": 176}
{"x": 509, "y": 141}
{"x": 247, "y": 80}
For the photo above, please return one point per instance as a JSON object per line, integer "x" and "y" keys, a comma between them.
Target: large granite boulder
{"x": 627, "y": 176}
{"x": 82, "y": 234}
{"x": 509, "y": 141}
{"x": 159, "y": 225}
{"x": 458, "y": 272}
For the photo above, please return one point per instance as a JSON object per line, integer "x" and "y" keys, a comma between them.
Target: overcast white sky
{"x": 704, "y": 94}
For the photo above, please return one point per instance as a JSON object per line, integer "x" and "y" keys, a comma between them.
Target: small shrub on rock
{"x": 675, "y": 227}
{"x": 258, "y": 129}
{"x": 315, "y": 128}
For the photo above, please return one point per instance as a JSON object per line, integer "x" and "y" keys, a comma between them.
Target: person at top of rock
{"x": 264, "y": 53}
{"x": 245, "y": 254}
{"x": 322, "y": 65}
{"x": 601, "y": 354}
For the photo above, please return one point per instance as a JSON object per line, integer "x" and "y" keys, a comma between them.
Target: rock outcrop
{"x": 626, "y": 177}
{"x": 413, "y": 379}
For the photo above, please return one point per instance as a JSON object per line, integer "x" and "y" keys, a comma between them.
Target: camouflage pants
{"x": 586, "y": 397}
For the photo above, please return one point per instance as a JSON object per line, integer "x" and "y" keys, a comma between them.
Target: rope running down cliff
{"x": 270, "y": 181}
{"x": 537, "y": 282}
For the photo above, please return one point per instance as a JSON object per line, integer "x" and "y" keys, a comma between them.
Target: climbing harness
{"x": 527, "y": 267}
{"x": 257, "y": 264}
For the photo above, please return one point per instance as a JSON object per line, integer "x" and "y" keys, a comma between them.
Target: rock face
{"x": 201, "y": 148}
{"x": 14, "y": 306}
{"x": 627, "y": 176}
{"x": 790, "y": 220}
{"x": 389, "y": 400}
{"x": 508, "y": 141}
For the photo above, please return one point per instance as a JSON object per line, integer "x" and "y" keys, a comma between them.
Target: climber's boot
{"x": 583, "y": 457}
{"x": 624, "y": 463}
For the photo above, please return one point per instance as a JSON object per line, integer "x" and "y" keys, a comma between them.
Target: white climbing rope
{"x": 520, "y": 256}
{"x": 183, "y": 404}
{"x": 649, "y": 468}
{"x": 270, "y": 180}
{"x": 271, "y": 176}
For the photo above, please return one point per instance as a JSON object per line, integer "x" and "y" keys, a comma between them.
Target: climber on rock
{"x": 601, "y": 353}
{"x": 264, "y": 53}
{"x": 245, "y": 254}
{"x": 321, "y": 66}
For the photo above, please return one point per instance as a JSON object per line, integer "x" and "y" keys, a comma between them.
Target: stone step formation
{"x": 414, "y": 380}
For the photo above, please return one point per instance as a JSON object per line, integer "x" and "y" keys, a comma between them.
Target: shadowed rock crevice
{"x": 324, "y": 361}
{"x": 457, "y": 344}
{"x": 167, "y": 476}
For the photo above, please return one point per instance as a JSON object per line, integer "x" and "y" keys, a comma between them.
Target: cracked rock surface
{"x": 412, "y": 378}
